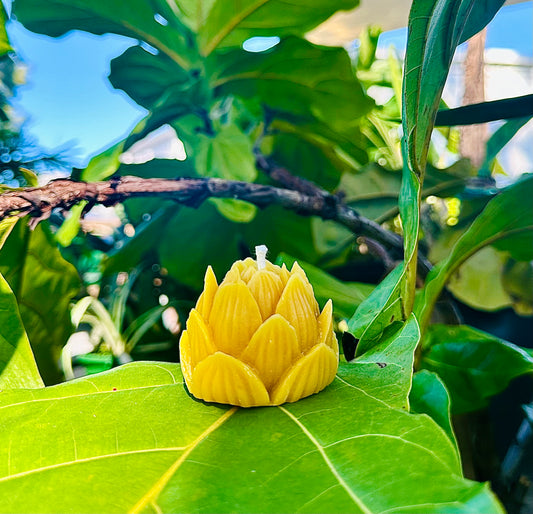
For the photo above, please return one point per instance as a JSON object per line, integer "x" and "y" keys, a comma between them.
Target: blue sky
{"x": 68, "y": 101}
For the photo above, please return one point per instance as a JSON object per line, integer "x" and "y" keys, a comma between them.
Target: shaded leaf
{"x": 472, "y": 364}
{"x": 43, "y": 283}
{"x": 295, "y": 77}
{"x": 483, "y": 112}
{"x": 134, "y": 19}
{"x": 499, "y": 139}
{"x": 507, "y": 214}
{"x": 225, "y": 27}
{"x": 429, "y": 396}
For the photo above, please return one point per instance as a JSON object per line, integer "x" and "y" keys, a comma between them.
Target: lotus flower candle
{"x": 258, "y": 338}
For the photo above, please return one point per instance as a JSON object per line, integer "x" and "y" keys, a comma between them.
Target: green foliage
{"x": 380, "y": 437}
{"x": 472, "y": 364}
{"x": 172, "y": 452}
{"x": 44, "y": 284}
{"x": 507, "y": 217}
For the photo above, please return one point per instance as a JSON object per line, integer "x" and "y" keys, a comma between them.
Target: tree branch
{"x": 38, "y": 202}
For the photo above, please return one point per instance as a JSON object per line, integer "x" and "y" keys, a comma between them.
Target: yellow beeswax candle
{"x": 258, "y": 338}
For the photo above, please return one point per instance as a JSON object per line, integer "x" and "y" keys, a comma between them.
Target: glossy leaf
{"x": 508, "y": 215}
{"x": 321, "y": 454}
{"x": 43, "y": 283}
{"x": 379, "y": 310}
{"x": 429, "y": 396}
{"x": 472, "y": 364}
{"x": 346, "y": 296}
{"x": 295, "y": 77}
{"x": 225, "y": 27}
{"x": 17, "y": 365}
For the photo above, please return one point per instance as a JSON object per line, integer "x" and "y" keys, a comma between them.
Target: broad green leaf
{"x": 346, "y": 296}
{"x": 227, "y": 26}
{"x": 295, "y": 77}
{"x": 498, "y": 140}
{"x": 17, "y": 365}
{"x": 43, "y": 284}
{"x": 378, "y": 311}
{"x": 159, "y": 84}
{"x": 472, "y": 364}
{"x": 134, "y": 19}
{"x": 104, "y": 164}
{"x": 227, "y": 154}
{"x": 322, "y": 454}
{"x": 145, "y": 77}
{"x": 429, "y": 396}
{"x": 508, "y": 214}
{"x": 489, "y": 280}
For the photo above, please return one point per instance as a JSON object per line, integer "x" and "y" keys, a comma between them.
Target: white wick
{"x": 260, "y": 254}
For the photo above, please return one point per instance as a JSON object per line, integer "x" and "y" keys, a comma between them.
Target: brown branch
{"x": 38, "y": 202}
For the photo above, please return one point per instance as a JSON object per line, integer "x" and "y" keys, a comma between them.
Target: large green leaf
{"x": 295, "y": 77}
{"x": 17, "y": 365}
{"x": 346, "y": 296}
{"x": 474, "y": 365}
{"x": 507, "y": 220}
{"x": 44, "y": 284}
{"x": 227, "y": 26}
{"x": 134, "y": 19}
{"x": 343, "y": 450}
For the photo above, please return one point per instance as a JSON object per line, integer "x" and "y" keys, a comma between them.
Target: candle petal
{"x": 224, "y": 379}
{"x": 308, "y": 376}
{"x": 205, "y": 302}
{"x": 234, "y": 318}
{"x": 298, "y": 306}
{"x": 266, "y": 288}
{"x": 272, "y": 350}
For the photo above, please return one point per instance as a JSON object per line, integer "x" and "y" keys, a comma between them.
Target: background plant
{"x": 296, "y": 115}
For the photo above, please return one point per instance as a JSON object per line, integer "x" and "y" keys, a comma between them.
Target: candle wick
{"x": 260, "y": 253}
